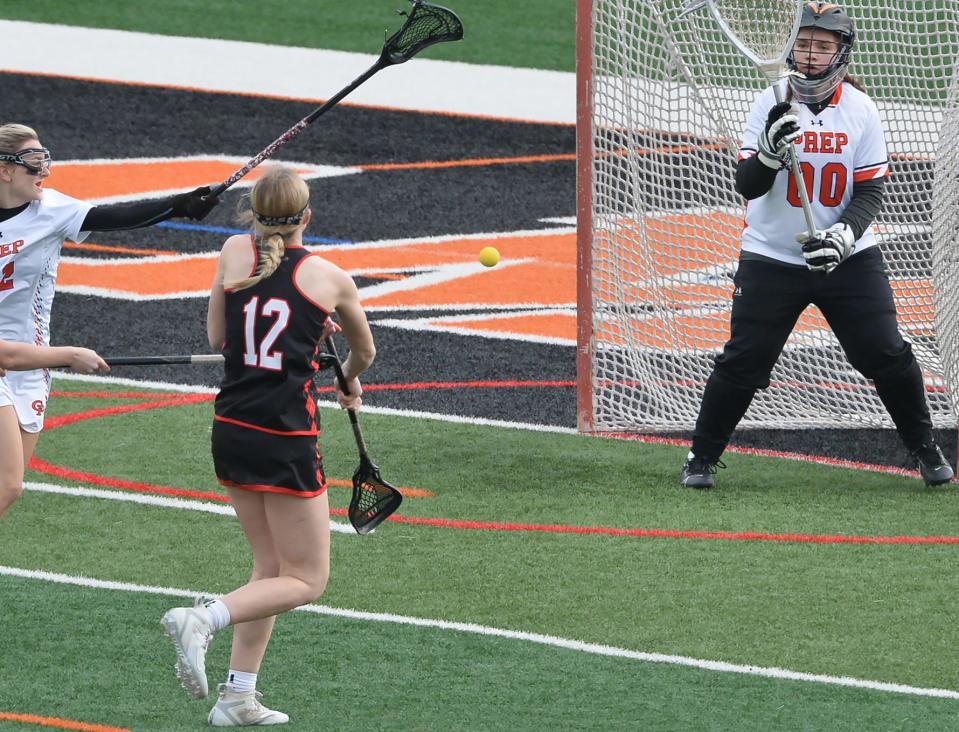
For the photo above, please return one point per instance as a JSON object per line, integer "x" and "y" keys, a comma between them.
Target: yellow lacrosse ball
{"x": 489, "y": 256}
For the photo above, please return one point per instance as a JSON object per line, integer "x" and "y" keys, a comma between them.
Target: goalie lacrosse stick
{"x": 763, "y": 31}
{"x": 373, "y": 498}
{"x": 425, "y": 25}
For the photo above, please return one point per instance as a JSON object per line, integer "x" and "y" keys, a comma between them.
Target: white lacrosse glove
{"x": 782, "y": 130}
{"x": 825, "y": 251}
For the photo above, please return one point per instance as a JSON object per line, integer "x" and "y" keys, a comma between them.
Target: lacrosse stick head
{"x": 425, "y": 25}
{"x": 373, "y": 498}
{"x": 763, "y": 31}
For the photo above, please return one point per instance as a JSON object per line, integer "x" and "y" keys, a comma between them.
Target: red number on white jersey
{"x": 832, "y": 184}
{"x": 6, "y": 277}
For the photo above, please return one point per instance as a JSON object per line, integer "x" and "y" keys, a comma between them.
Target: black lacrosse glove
{"x": 782, "y": 130}
{"x": 828, "y": 248}
{"x": 194, "y": 205}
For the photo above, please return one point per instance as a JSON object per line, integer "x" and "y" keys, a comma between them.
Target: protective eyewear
{"x": 34, "y": 159}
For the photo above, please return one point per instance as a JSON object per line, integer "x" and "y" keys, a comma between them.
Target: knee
{"x": 10, "y": 492}
{"x": 314, "y": 583}
{"x": 317, "y": 585}
{"x": 740, "y": 376}
{"x": 265, "y": 569}
{"x": 887, "y": 364}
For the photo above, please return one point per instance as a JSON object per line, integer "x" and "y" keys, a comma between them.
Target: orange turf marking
{"x": 551, "y": 325}
{"x": 59, "y": 723}
{"x": 191, "y": 274}
{"x": 132, "y": 178}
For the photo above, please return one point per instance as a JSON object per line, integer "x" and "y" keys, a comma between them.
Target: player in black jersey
{"x": 269, "y": 311}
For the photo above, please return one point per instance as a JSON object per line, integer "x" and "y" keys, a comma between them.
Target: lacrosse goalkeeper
{"x": 835, "y": 130}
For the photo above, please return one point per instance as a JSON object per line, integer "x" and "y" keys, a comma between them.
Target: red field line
{"x": 673, "y": 533}
{"x": 59, "y": 723}
{"x": 177, "y": 399}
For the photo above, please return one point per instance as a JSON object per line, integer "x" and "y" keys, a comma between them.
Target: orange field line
{"x": 59, "y": 723}
{"x": 523, "y": 159}
{"x": 468, "y": 162}
{"x": 116, "y": 249}
{"x": 407, "y": 492}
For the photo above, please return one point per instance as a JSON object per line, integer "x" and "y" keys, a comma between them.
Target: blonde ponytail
{"x": 269, "y": 252}
{"x": 278, "y": 203}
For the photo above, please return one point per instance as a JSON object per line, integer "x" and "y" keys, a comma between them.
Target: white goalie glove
{"x": 828, "y": 248}
{"x": 782, "y": 130}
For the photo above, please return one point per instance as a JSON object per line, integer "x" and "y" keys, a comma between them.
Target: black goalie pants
{"x": 857, "y": 302}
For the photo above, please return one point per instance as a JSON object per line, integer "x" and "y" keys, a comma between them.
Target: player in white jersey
{"x": 34, "y": 223}
{"x": 836, "y": 132}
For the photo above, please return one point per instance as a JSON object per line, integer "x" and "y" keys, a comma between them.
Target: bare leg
{"x": 290, "y": 538}
{"x": 14, "y": 454}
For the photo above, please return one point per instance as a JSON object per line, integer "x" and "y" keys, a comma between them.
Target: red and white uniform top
{"x": 841, "y": 146}
{"x": 30, "y": 245}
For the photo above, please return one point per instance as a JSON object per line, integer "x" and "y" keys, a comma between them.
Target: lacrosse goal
{"x": 661, "y": 104}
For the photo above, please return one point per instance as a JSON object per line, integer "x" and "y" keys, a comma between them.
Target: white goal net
{"x": 662, "y": 104}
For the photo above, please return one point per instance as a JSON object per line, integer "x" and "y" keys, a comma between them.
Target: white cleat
{"x": 190, "y": 630}
{"x": 242, "y": 709}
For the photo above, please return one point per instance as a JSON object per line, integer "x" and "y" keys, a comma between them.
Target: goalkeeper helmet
{"x": 814, "y": 88}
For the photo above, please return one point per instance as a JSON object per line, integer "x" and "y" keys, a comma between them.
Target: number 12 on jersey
{"x": 260, "y": 355}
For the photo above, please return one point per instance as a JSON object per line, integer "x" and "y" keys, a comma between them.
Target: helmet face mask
{"x": 815, "y": 88}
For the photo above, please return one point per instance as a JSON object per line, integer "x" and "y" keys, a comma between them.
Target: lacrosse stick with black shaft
{"x": 425, "y": 25}
{"x": 763, "y": 31}
{"x": 326, "y": 360}
{"x": 162, "y": 360}
{"x": 373, "y": 498}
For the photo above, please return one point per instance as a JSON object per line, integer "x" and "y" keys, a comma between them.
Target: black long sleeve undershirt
{"x": 120, "y": 216}
{"x": 753, "y": 179}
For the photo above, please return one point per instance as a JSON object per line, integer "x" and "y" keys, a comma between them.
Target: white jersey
{"x": 841, "y": 146}
{"x": 30, "y": 245}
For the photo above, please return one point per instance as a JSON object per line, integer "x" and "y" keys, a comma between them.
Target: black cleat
{"x": 932, "y": 465}
{"x": 698, "y": 472}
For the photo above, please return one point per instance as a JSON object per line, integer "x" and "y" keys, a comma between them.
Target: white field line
{"x": 779, "y": 674}
{"x": 281, "y": 71}
{"x": 221, "y": 509}
{"x": 438, "y": 275}
{"x": 448, "y": 324}
{"x": 189, "y": 389}
{"x": 484, "y": 422}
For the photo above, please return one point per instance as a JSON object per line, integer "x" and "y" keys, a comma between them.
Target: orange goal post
{"x": 661, "y": 104}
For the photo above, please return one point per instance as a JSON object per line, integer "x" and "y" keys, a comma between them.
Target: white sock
{"x": 240, "y": 681}
{"x": 219, "y": 613}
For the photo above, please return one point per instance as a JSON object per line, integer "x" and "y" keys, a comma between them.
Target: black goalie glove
{"x": 782, "y": 130}
{"x": 828, "y": 248}
{"x": 194, "y": 205}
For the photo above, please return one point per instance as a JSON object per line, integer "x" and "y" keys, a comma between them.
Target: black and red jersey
{"x": 273, "y": 335}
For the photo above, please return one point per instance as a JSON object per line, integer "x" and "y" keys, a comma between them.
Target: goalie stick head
{"x": 814, "y": 88}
